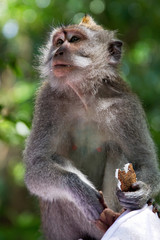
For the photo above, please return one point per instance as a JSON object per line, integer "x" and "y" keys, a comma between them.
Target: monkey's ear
{"x": 115, "y": 51}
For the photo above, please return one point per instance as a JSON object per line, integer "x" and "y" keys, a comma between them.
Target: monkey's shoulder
{"x": 46, "y": 95}
{"x": 121, "y": 102}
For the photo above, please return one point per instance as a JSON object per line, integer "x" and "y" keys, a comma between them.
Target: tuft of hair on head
{"x": 88, "y": 22}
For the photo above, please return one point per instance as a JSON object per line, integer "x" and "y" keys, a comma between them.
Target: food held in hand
{"x": 126, "y": 177}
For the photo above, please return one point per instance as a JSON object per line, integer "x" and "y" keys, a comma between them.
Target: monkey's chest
{"x": 86, "y": 137}
{"x": 88, "y": 150}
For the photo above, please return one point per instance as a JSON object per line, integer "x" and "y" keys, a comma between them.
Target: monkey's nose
{"x": 59, "y": 52}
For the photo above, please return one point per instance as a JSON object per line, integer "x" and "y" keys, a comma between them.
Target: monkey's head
{"x": 82, "y": 54}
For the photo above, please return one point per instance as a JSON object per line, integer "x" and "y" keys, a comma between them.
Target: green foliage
{"x": 24, "y": 27}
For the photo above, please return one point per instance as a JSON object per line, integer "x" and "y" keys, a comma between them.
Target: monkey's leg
{"x": 61, "y": 220}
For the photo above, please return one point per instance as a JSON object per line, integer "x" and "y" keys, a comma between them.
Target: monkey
{"x": 86, "y": 124}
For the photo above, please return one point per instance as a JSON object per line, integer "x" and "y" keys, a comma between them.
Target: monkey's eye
{"x": 74, "y": 39}
{"x": 59, "y": 42}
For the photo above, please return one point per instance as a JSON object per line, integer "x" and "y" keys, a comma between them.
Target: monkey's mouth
{"x": 61, "y": 69}
{"x": 61, "y": 65}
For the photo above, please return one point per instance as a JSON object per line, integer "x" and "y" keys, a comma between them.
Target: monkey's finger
{"x": 102, "y": 201}
{"x": 108, "y": 216}
{"x": 132, "y": 195}
{"x": 129, "y": 203}
{"x": 119, "y": 192}
{"x": 130, "y": 199}
{"x": 138, "y": 185}
{"x": 129, "y": 196}
{"x": 130, "y": 206}
{"x": 150, "y": 201}
{"x": 101, "y": 225}
{"x": 156, "y": 209}
{"x": 135, "y": 186}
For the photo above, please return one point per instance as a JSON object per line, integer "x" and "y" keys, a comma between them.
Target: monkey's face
{"x": 67, "y": 55}
{"x": 79, "y": 54}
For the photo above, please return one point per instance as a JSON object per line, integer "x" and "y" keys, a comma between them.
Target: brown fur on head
{"x": 88, "y": 22}
{"x": 81, "y": 54}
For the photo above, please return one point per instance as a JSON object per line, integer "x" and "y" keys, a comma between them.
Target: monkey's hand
{"x": 88, "y": 199}
{"x": 136, "y": 198}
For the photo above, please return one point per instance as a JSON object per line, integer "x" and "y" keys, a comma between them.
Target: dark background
{"x": 24, "y": 27}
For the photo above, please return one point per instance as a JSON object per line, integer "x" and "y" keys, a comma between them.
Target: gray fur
{"x": 88, "y": 130}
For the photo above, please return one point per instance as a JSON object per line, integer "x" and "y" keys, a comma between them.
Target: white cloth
{"x": 140, "y": 224}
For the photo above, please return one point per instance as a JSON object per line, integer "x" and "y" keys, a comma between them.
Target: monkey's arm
{"x": 48, "y": 174}
{"x": 126, "y": 121}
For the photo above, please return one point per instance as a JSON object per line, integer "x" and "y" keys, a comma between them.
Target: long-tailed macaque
{"x": 87, "y": 123}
